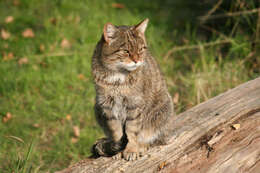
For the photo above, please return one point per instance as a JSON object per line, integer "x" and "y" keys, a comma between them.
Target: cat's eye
{"x": 126, "y": 51}
{"x": 142, "y": 49}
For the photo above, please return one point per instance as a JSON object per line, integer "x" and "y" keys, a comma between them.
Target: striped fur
{"x": 133, "y": 105}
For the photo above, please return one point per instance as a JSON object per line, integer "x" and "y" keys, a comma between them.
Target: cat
{"x": 133, "y": 105}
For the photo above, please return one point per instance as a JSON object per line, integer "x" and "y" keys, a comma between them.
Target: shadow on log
{"x": 218, "y": 136}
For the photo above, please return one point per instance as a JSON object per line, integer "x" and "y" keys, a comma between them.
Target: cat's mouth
{"x": 133, "y": 66}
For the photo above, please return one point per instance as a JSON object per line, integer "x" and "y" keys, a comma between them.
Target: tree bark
{"x": 218, "y": 136}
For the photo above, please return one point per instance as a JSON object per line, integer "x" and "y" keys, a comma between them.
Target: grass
{"x": 46, "y": 84}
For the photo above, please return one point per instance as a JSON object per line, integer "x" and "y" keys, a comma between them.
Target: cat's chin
{"x": 132, "y": 66}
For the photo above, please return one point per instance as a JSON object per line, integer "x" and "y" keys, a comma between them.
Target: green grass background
{"x": 42, "y": 92}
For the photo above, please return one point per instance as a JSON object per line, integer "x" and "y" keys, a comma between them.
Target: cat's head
{"x": 124, "y": 47}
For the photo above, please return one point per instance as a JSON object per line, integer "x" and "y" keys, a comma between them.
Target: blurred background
{"x": 47, "y": 121}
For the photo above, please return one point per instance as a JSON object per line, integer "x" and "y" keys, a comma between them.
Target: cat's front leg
{"x": 112, "y": 127}
{"x": 115, "y": 141}
{"x": 116, "y": 134}
{"x": 132, "y": 150}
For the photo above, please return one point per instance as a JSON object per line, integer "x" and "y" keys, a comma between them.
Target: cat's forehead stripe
{"x": 131, "y": 40}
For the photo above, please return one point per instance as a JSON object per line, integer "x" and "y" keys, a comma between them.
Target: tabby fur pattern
{"x": 133, "y": 105}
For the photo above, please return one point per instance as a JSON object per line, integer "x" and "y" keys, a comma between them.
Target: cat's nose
{"x": 135, "y": 58}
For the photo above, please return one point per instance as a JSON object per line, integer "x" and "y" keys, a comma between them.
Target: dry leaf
{"x": 81, "y": 77}
{"x": 162, "y": 165}
{"x": 68, "y": 117}
{"x": 5, "y": 34}
{"x": 16, "y": 2}
{"x": 235, "y": 126}
{"x": 65, "y": 43}
{"x": 8, "y": 57}
{"x": 7, "y": 117}
{"x": 70, "y": 87}
{"x": 23, "y": 61}
{"x": 53, "y": 46}
{"x": 42, "y": 47}
{"x": 36, "y": 125}
{"x": 53, "y": 20}
{"x": 74, "y": 140}
{"x": 9, "y": 19}
{"x": 186, "y": 41}
{"x": 118, "y": 5}
{"x": 76, "y": 131}
{"x": 43, "y": 64}
{"x": 28, "y": 33}
{"x": 176, "y": 98}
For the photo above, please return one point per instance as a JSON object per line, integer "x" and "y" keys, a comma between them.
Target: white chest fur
{"x": 117, "y": 77}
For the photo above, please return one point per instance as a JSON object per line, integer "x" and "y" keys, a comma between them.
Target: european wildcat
{"x": 133, "y": 105}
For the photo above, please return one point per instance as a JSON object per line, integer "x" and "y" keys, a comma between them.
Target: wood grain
{"x": 203, "y": 139}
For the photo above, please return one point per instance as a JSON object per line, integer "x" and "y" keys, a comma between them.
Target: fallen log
{"x": 218, "y": 136}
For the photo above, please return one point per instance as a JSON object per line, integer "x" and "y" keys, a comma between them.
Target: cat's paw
{"x": 144, "y": 149}
{"x": 118, "y": 156}
{"x": 134, "y": 153}
{"x": 130, "y": 156}
{"x": 104, "y": 147}
{"x": 98, "y": 147}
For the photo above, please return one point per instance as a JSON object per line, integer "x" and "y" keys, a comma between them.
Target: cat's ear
{"x": 109, "y": 32}
{"x": 141, "y": 27}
